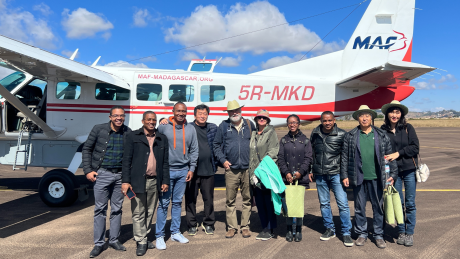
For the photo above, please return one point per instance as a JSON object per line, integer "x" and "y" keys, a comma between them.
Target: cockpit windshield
{"x": 10, "y": 82}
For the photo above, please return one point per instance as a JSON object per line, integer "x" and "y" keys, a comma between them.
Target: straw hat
{"x": 263, "y": 113}
{"x": 233, "y": 105}
{"x": 364, "y": 108}
{"x": 395, "y": 104}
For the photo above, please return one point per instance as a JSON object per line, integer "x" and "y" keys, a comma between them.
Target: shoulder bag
{"x": 422, "y": 172}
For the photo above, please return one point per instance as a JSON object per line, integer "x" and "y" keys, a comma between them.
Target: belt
{"x": 150, "y": 177}
{"x": 113, "y": 170}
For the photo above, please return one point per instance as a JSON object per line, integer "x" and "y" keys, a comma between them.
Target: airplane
{"x": 54, "y": 102}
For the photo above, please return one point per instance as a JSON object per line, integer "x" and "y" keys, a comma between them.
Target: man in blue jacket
{"x": 203, "y": 179}
{"x": 231, "y": 148}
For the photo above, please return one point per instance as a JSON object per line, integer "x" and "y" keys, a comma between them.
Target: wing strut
{"x": 50, "y": 133}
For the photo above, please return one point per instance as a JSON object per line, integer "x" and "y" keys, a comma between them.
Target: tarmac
{"x": 30, "y": 229}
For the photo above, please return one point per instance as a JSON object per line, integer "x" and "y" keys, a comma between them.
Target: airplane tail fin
{"x": 384, "y": 33}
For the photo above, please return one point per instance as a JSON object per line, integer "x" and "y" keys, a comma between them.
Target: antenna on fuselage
{"x": 95, "y": 62}
{"x": 218, "y": 61}
{"x": 74, "y": 55}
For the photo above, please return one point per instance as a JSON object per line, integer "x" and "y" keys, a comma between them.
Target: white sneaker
{"x": 179, "y": 238}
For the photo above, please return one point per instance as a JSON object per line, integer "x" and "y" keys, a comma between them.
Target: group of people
{"x": 161, "y": 165}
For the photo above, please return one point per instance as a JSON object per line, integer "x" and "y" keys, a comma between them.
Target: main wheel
{"x": 57, "y": 188}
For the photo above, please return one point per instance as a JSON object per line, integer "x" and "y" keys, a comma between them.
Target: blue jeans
{"x": 410, "y": 184}
{"x": 324, "y": 184}
{"x": 369, "y": 189}
{"x": 175, "y": 194}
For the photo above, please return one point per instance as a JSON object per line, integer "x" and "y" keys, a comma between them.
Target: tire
{"x": 57, "y": 188}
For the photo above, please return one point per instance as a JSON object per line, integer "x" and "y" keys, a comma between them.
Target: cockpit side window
{"x": 10, "y": 82}
{"x": 68, "y": 91}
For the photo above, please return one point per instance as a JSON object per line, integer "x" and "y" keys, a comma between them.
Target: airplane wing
{"x": 391, "y": 74}
{"x": 45, "y": 65}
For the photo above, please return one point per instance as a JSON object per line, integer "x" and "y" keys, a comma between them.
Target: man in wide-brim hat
{"x": 231, "y": 148}
{"x": 363, "y": 167}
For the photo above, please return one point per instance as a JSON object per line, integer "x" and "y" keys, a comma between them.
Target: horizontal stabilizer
{"x": 46, "y": 65}
{"x": 392, "y": 74}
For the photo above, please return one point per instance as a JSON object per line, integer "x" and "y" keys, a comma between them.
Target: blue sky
{"x": 123, "y": 31}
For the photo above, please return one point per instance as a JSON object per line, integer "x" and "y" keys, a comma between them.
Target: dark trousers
{"x": 206, "y": 186}
{"x": 369, "y": 189}
{"x": 265, "y": 207}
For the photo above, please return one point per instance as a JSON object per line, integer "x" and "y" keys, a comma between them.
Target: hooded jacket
{"x": 183, "y": 145}
{"x": 406, "y": 144}
{"x": 351, "y": 165}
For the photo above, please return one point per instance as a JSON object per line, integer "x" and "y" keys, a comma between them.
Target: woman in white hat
{"x": 406, "y": 148}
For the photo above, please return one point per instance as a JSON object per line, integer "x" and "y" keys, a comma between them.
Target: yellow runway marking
{"x": 441, "y": 147}
{"x": 25, "y": 220}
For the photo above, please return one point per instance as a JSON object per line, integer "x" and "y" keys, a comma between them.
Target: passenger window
{"x": 68, "y": 91}
{"x": 212, "y": 93}
{"x": 149, "y": 92}
{"x": 110, "y": 92}
{"x": 181, "y": 93}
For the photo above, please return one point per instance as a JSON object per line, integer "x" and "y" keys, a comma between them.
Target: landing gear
{"x": 58, "y": 188}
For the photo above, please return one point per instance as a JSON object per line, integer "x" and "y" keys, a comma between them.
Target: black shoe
{"x": 327, "y": 235}
{"x": 117, "y": 246}
{"x": 289, "y": 235}
{"x": 97, "y": 250}
{"x": 141, "y": 249}
{"x": 401, "y": 239}
{"x": 150, "y": 245}
{"x": 409, "y": 240}
{"x": 347, "y": 241}
{"x": 192, "y": 231}
{"x": 207, "y": 229}
{"x": 264, "y": 235}
{"x": 298, "y": 234}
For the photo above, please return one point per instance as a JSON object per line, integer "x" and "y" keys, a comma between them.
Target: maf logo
{"x": 359, "y": 43}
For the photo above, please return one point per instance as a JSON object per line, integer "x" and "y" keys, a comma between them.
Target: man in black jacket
{"x": 327, "y": 143}
{"x": 102, "y": 160}
{"x": 146, "y": 173}
{"x": 231, "y": 147}
{"x": 363, "y": 167}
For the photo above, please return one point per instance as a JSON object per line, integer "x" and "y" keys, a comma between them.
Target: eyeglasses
{"x": 293, "y": 123}
{"x": 262, "y": 118}
{"x": 116, "y": 116}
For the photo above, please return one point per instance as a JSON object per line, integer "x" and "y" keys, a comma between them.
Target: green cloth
{"x": 367, "y": 147}
{"x": 267, "y": 145}
{"x": 269, "y": 174}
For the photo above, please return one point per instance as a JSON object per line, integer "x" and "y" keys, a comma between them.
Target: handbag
{"x": 295, "y": 195}
{"x": 392, "y": 206}
{"x": 422, "y": 172}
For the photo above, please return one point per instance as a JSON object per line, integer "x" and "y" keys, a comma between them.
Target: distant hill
{"x": 419, "y": 115}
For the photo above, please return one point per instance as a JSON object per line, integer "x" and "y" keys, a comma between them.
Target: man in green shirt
{"x": 363, "y": 167}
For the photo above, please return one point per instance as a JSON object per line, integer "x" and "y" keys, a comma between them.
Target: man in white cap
{"x": 231, "y": 148}
{"x": 363, "y": 167}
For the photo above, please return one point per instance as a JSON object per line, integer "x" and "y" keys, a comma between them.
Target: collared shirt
{"x": 151, "y": 162}
{"x": 368, "y": 157}
{"x": 238, "y": 127}
{"x": 114, "y": 155}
